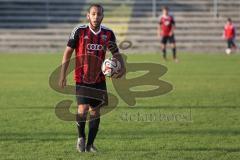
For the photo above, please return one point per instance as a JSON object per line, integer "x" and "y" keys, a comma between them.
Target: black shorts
{"x": 231, "y": 43}
{"x": 93, "y": 94}
{"x": 170, "y": 39}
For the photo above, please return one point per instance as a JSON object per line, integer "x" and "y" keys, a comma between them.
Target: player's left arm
{"x": 122, "y": 71}
{"x": 234, "y": 32}
{"x": 116, "y": 54}
{"x": 173, "y": 26}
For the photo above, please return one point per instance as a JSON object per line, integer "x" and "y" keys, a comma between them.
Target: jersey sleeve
{"x": 73, "y": 38}
{"x": 112, "y": 45}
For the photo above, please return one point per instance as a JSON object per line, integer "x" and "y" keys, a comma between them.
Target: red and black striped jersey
{"x": 90, "y": 50}
{"x": 229, "y": 31}
{"x": 166, "y": 22}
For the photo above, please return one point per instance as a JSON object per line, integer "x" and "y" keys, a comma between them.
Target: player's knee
{"x": 164, "y": 52}
{"x": 174, "y": 45}
{"x": 83, "y": 108}
{"x": 163, "y": 47}
{"x": 95, "y": 113}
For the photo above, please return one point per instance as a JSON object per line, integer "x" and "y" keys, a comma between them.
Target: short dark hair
{"x": 165, "y": 8}
{"x": 95, "y": 5}
{"x": 229, "y": 20}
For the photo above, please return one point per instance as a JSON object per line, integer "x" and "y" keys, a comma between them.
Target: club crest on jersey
{"x": 104, "y": 37}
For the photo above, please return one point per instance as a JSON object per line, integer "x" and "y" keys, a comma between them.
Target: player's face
{"x": 165, "y": 12}
{"x": 95, "y": 17}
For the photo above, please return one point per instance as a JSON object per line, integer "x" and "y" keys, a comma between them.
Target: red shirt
{"x": 90, "y": 49}
{"x": 167, "y": 23}
{"x": 229, "y": 31}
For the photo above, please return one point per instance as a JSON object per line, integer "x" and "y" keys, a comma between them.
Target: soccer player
{"x": 229, "y": 34}
{"x": 89, "y": 41}
{"x": 165, "y": 30}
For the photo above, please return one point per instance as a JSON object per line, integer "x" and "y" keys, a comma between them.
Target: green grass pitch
{"x": 206, "y": 99}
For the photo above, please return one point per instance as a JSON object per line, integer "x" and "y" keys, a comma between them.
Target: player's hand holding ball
{"x": 111, "y": 67}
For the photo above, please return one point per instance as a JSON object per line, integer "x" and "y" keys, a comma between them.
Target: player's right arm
{"x": 71, "y": 45}
{"x": 65, "y": 63}
{"x": 159, "y": 28}
{"x": 224, "y": 33}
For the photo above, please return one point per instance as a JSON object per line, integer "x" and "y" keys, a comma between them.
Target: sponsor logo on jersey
{"x": 95, "y": 47}
{"x": 167, "y": 23}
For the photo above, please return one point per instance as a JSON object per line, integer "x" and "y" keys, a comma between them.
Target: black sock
{"x": 174, "y": 50}
{"x": 229, "y": 44}
{"x": 93, "y": 129}
{"x": 164, "y": 53}
{"x": 81, "y": 121}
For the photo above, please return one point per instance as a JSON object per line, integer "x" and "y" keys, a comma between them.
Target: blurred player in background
{"x": 90, "y": 42}
{"x": 165, "y": 30}
{"x": 229, "y": 34}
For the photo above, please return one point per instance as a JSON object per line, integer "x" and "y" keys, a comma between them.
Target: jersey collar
{"x": 95, "y": 33}
{"x": 165, "y": 16}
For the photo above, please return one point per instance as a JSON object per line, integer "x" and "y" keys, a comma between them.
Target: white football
{"x": 228, "y": 51}
{"x": 110, "y": 66}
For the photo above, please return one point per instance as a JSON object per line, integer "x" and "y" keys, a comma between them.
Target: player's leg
{"x": 229, "y": 44}
{"x": 163, "y": 46}
{"x": 174, "y": 48}
{"x": 81, "y": 122}
{"x": 233, "y": 44}
{"x": 81, "y": 119}
{"x": 94, "y": 120}
{"x": 82, "y": 112}
{"x": 93, "y": 128}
